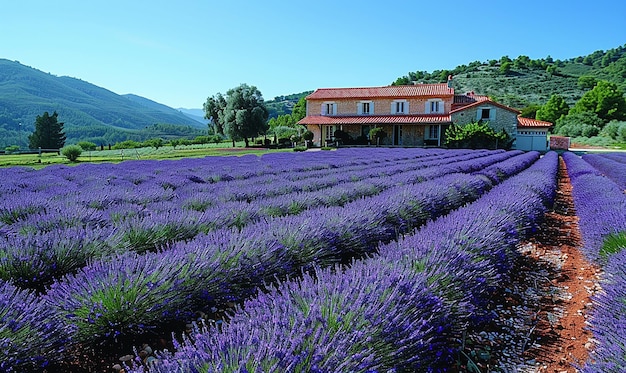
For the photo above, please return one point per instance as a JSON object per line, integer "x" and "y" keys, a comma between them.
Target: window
{"x": 399, "y": 107}
{"x": 330, "y": 131}
{"x": 434, "y": 106}
{"x": 433, "y": 132}
{"x": 365, "y": 108}
{"x": 329, "y": 108}
{"x": 486, "y": 113}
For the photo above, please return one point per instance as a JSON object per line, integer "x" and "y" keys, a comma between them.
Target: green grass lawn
{"x": 115, "y": 156}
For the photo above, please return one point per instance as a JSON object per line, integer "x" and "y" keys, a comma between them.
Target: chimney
{"x": 450, "y": 81}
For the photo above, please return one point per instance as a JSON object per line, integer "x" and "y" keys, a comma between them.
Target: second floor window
{"x": 365, "y": 107}
{"x": 329, "y": 108}
{"x": 434, "y": 106}
{"x": 400, "y": 107}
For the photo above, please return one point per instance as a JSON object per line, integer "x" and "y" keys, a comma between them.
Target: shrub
{"x": 11, "y": 149}
{"x": 299, "y": 149}
{"x": 590, "y": 131}
{"x": 72, "y": 152}
{"x": 377, "y": 133}
{"x": 155, "y": 143}
{"x": 128, "y": 144}
{"x": 87, "y": 145}
{"x": 476, "y": 135}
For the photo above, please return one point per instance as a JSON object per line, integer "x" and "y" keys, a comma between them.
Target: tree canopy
{"x": 48, "y": 132}
{"x": 245, "y": 115}
{"x": 213, "y": 109}
{"x": 605, "y": 100}
{"x": 555, "y": 108}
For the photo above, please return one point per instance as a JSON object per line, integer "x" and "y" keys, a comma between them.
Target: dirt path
{"x": 561, "y": 340}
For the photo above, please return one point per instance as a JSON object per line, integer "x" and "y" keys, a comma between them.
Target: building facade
{"x": 412, "y": 115}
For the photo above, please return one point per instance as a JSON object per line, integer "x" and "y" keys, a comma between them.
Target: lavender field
{"x": 354, "y": 260}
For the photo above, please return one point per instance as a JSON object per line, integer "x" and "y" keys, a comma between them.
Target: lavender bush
{"x": 30, "y": 332}
{"x": 610, "y": 167}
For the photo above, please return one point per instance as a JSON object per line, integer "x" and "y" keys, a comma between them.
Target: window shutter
{"x": 359, "y": 108}
{"x": 324, "y": 109}
{"x": 406, "y": 107}
{"x": 334, "y": 109}
{"x": 492, "y": 114}
{"x": 372, "y": 108}
{"x": 427, "y": 110}
{"x": 393, "y": 108}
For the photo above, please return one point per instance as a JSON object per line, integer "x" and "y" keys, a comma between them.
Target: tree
{"x": 48, "y": 132}
{"x": 245, "y": 115}
{"x": 505, "y": 68}
{"x": 605, "y": 100}
{"x": 299, "y": 110}
{"x": 555, "y": 108}
{"x": 587, "y": 82}
{"x": 530, "y": 111}
{"x": 213, "y": 110}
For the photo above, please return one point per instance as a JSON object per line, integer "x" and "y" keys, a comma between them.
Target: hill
{"x": 282, "y": 105}
{"x": 89, "y": 112}
{"x": 522, "y": 82}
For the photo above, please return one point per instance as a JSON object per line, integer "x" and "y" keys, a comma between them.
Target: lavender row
{"x": 399, "y": 311}
{"x": 62, "y": 239}
{"x": 600, "y": 205}
{"x": 611, "y": 168}
{"x": 608, "y": 318}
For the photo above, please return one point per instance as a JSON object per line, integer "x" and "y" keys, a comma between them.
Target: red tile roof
{"x": 528, "y": 122}
{"x": 376, "y": 119}
{"x": 484, "y": 102}
{"x": 398, "y": 91}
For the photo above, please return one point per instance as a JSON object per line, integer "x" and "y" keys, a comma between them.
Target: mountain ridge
{"x": 88, "y": 111}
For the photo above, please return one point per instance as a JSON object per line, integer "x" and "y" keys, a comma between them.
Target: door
{"x": 397, "y": 135}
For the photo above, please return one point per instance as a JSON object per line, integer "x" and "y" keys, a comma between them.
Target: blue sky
{"x": 180, "y": 52}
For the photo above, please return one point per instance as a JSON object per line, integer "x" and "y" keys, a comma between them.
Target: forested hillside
{"x": 282, "y": 105}
{"x": 89, "y": 112}
{"x": 520, "y": 81}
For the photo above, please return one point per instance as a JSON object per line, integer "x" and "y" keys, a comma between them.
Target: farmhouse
{"x": 413, "y": 115}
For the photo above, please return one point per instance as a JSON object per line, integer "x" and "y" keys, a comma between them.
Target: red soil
{"x": 572, "y": 281}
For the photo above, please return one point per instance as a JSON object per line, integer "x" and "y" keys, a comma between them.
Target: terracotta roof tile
{"x": 375, "y": 119}
{"x": 484, "y": 102}
{"x": 399, "y": 91}
{"x": 528, "y": 122}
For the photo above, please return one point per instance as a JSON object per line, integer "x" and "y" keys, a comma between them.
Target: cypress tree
{"x": 48, "y": 132}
